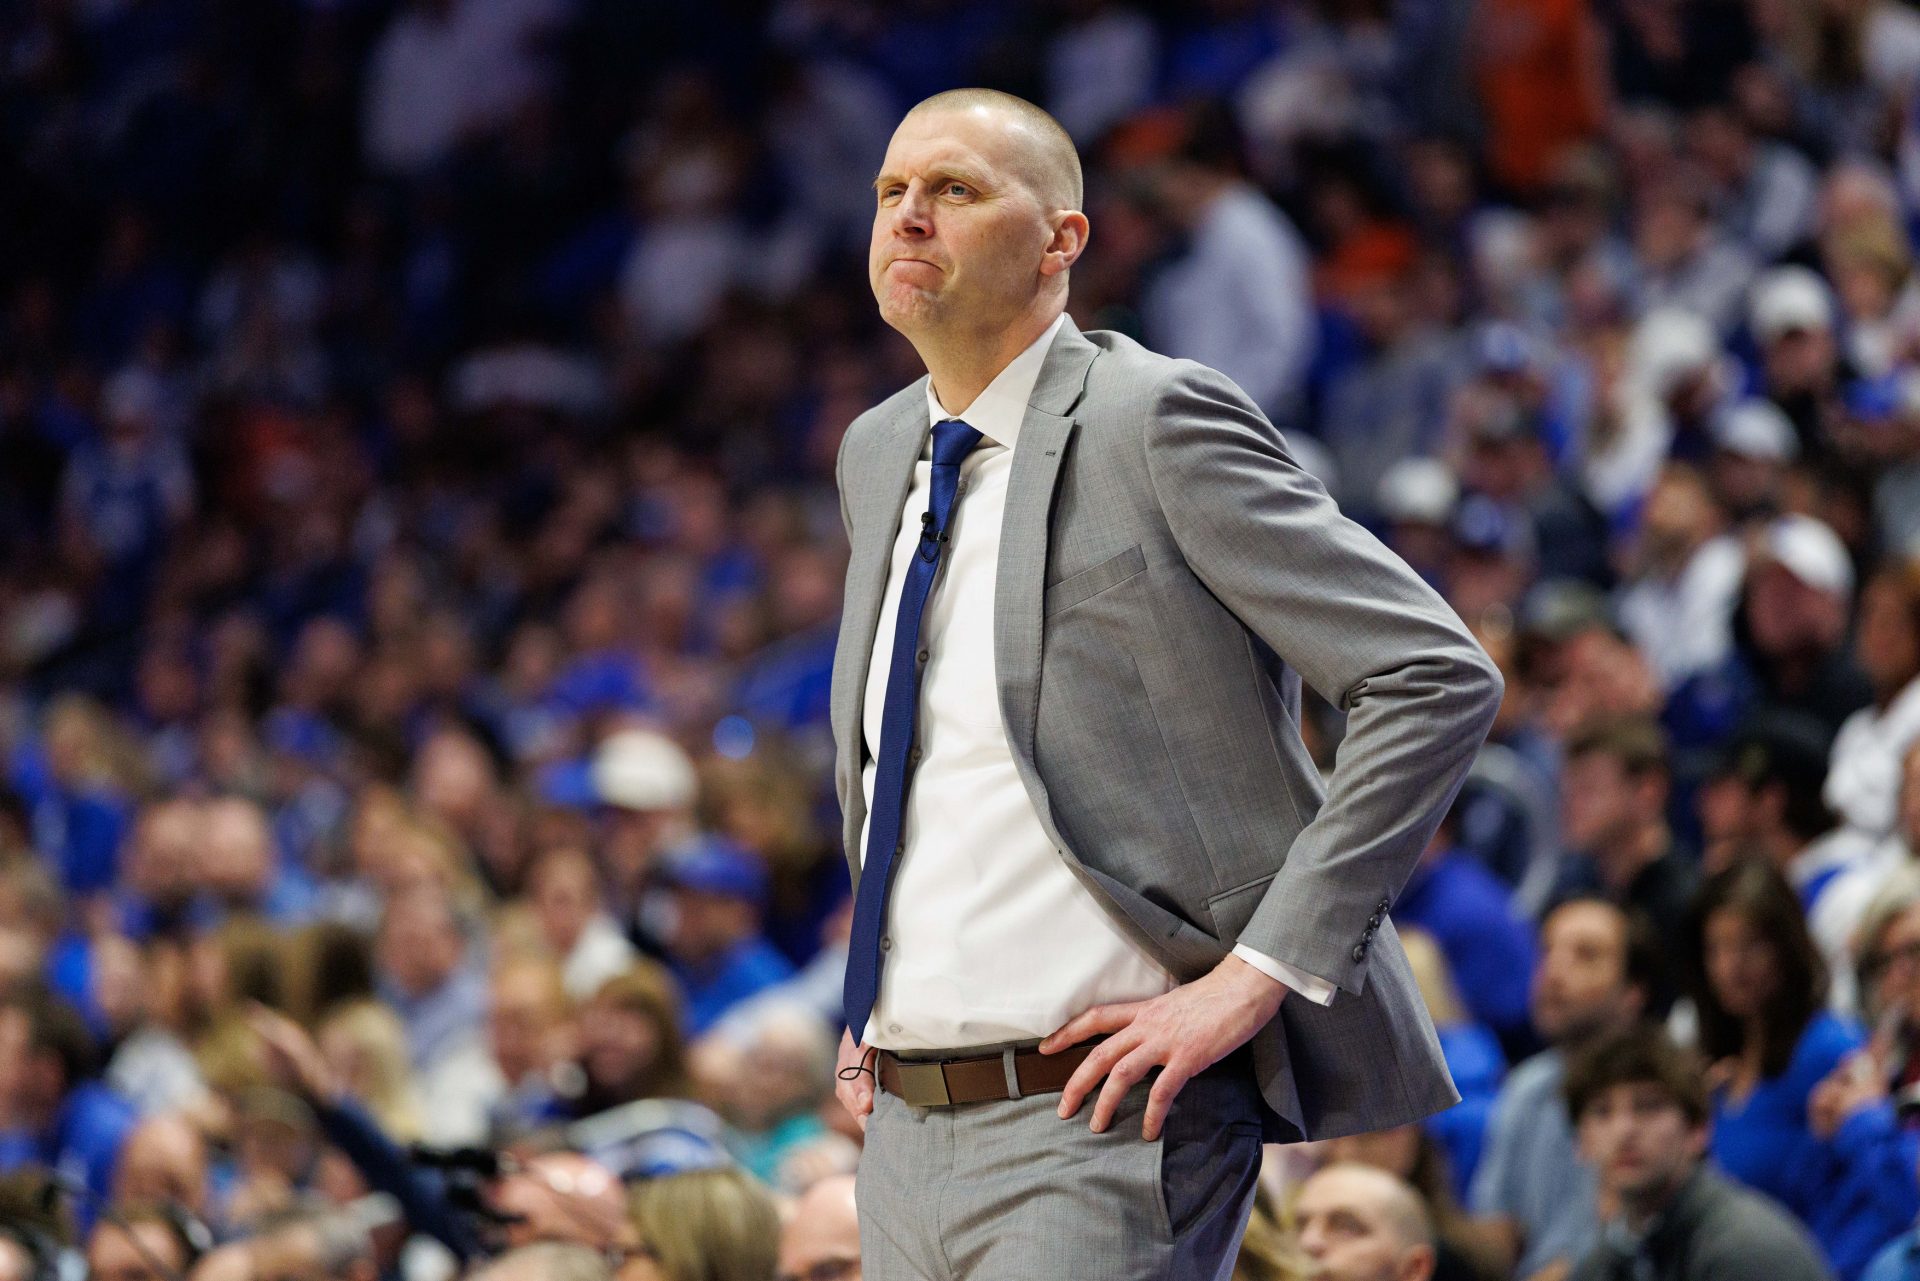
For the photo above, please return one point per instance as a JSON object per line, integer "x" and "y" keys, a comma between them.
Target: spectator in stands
{"x": 531, "y": 1030}
{"x": 541, "y": 1260}
{"x": 1685, "y": 260}
{"x": 1360, "y": 1223}
{"x": 631, "y": 1043}
{"x": 1536, "y": 1195}
{"x": 430, "y": 974}
{"x": 365, "y": 1047}
{"x": 1754, "y": 447}
{"x": 1393, "y": 402}
{"x": 1238, "y": 297}
{"x": 1500, "y": 422}
{"x": 563, "y": 887}
{"x": 1866, "y": 1107}
{"x": 1863, "y": 781}
{"x": 1641, "y": 1112}
{"x": 1760, "y": 797}
{"x": 1759, "y": 988}
{"x": 165, "y": 1162}
{"x": 1802, "y": 369}
{"x": 1678, "y": 602}
{"x": 80, "y": 810}
{"x": 769, "y": 1085}
{"x": 708, "y": 1225}
{"x": 549, "y": 1261}
{"x": 1613, "y": 814}
{"x": 645, "y": 789}
{"x": 716, "y": 950}
{"x": 144, "y": 1245}
{"x": 821, "y": 1241}
{"x": 1789, "y": 639}
{"x": 1410, "y": 1154}
{"x": 237, "y": 867}
{"x": 56, "y": 1113}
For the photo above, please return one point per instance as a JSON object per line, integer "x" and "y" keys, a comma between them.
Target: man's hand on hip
{"x": 1183, "y": 1033}
{"x": 854, "y": 1088}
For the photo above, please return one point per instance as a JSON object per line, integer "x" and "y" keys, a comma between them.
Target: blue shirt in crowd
{"x": 751, "y": 966}
{"x": 1766, "y": 1143}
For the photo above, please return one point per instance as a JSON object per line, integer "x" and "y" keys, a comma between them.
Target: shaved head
{"x": 976, "y": 224}
{"x": 1359, "y": 1223}
{"x": 1044, "y": 156}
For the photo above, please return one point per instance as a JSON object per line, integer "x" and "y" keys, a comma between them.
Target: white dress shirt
{"x": 990, "y": 938}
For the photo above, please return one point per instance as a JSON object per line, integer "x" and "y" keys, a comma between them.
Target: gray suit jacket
{"x": 1167, "y": 576}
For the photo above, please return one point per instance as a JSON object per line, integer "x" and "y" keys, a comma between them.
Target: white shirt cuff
{"x": 1317, "y": 990}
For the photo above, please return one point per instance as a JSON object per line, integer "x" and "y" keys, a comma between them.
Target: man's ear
{"x": 1069, "y": 241}
{"x": 1417, "y": 1263}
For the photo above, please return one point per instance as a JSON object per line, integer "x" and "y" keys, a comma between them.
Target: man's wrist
{"x": 1261, "y": 990}
{"x": 1307, "y": 986}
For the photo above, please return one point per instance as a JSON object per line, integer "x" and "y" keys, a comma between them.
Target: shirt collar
{"x": 997, "y": 412}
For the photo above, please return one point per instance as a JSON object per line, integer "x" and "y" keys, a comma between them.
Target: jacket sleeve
{"x": 1360, "y": 627}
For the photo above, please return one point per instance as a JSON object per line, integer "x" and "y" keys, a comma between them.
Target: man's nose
{"x": 912, "y": 216}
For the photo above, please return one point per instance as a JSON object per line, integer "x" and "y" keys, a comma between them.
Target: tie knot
{"x": 953, "y": 440}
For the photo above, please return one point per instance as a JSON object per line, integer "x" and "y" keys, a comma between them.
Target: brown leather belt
{"x": 938, "y": 1083}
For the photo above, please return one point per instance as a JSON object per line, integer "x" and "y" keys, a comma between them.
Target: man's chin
{"x": 909, "y": 310}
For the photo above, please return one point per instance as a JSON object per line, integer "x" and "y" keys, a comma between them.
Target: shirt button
{"x": 923, "y": 655}
{"x": 886, "y": 945}
{"x": 893, "y": 1027}
{"x": 901, "y": 848}
{"x": 914, "y": 756}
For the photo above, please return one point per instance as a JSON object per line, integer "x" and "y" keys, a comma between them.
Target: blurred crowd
{"x": 420, "y": 569}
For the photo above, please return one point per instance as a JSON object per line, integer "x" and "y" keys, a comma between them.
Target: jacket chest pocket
{"x": 1110, "y": 572}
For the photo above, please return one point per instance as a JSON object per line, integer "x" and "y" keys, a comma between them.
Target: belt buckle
{"x": 924, "y": 1085}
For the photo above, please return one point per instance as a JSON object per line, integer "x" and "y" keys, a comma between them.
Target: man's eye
{"x": 960, "y": 187}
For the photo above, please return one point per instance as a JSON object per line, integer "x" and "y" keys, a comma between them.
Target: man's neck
{"x": 1632, "y": 855}
{"x": 962, "y": 365}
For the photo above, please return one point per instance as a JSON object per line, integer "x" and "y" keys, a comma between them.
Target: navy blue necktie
{"x": 953, "y": 440}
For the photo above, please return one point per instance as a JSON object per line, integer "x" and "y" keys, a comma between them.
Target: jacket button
{"x": 1373, "y": 922}
{"x": 1359, "y": 952}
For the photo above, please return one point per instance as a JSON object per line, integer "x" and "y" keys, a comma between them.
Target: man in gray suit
{"x": 1089, "y": 846}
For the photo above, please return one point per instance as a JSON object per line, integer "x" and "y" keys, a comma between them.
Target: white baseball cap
{"x": 1757, "y": 429}
{"x": 1786, "y": 299}
{"x": 642, "y": 769}
{"x": 1420, "y": 490}
{"x": 1669, "y": 345}
{"x": 1811, "y": 552}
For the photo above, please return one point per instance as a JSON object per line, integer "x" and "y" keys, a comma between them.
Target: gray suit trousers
{"x": 1008, "y": 1191}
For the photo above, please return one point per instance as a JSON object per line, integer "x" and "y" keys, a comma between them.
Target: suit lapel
{"x": 883, "y": 477}
{"x": 1020, "y": 584}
